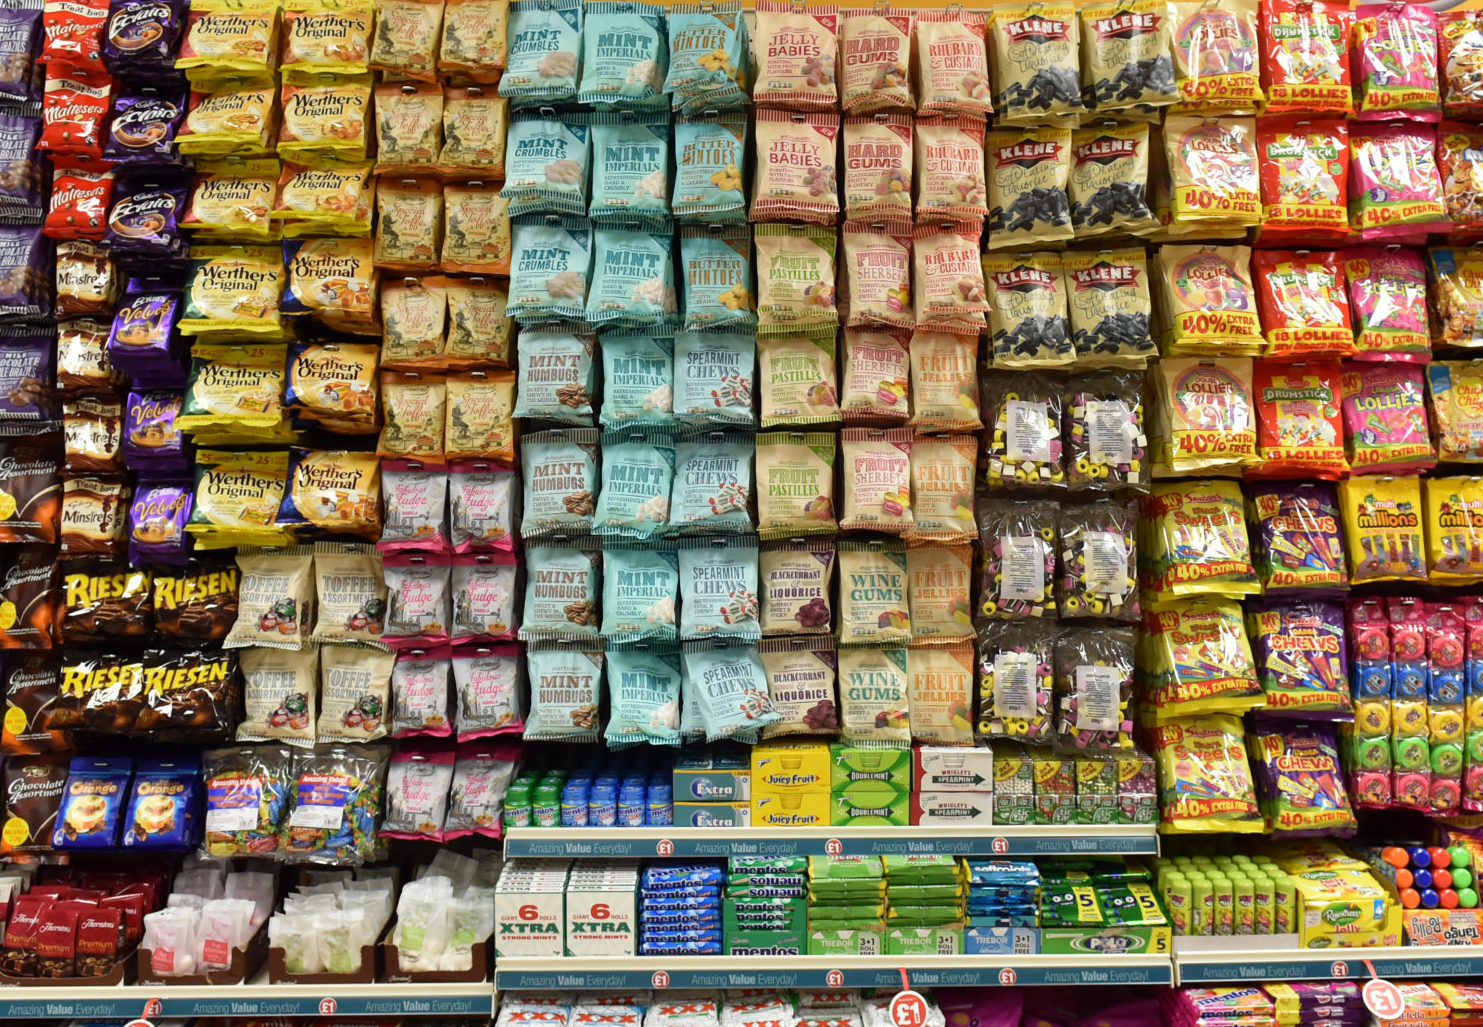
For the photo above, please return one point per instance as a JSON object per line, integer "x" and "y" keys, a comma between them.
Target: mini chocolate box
{"x": 92, "y": 803}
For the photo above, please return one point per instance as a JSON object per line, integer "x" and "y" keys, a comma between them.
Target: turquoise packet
{"x": 550, "y": 258}
{"x": 556, "y": 378}
{"x": 638, "y": 467}
{"x": 547, "y": 161}
{"x": 709, "y": 156}
{"x": 714, "y": 375}
{"x": 713, "y": 481}
{"x": 624, "y": 55}
{"x": 730, "y": 687}
{"x": 630, "y": 169}
{"x": 718, "y": 588}
{"x": 560, "y": 470}
{"x": 640, "y": 583}
{"x": 716, "y": 269}
{"x": 565, "y": 692}
{"x": 561, "y": 589}
{"x": 543, "y": 53}
{"x": 643, "y": 696}
{"x": 638, "y": 373}
{"x": 633, "y": 279}
{"x": 708, "y": 54}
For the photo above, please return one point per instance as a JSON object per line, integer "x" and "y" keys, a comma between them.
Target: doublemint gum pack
{"x": 556, "y": 377}
{"x": 560, "y": 470}
{"x": 560, "y": 590}
{"x": 713, "y": 481}
{"x": 713, "y": 378}
{"x": 709, "y": 157}
{"x": 548, "y": 271}
{"x": 624, "y": 55}
{"x": 640, "y": 583}
{"x": 633, "y": 284}
{"x": 718, "y": 589}
{"x": 545, "y": 47}
{"x": 637, "y": 470}
{"x": 716, "y": 270}
{"x": 638, "y": 379}
{"x": 730, "y": 687}
{"x": 630, "y": 169}
{"x": 546, "y": 165}
{"x": 707, "y": 57}
{"x": 643, "y": 697}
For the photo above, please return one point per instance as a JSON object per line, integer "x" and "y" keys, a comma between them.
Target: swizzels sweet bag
{"x": 1303, "y": 304}
{"x": 1395, "y": 62}
{"x": 1304, "y": 165}
{"x": 1305, "y": 56}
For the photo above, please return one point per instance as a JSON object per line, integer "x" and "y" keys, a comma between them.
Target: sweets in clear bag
{"x": 1394, "y": 189}
{"x": 1106, "y": 435}
{"x": 1025, "y": 445}
{"x": 1099, "y": 561}
{"x": 1304, "y": 305}
{"x": 1305, "y": 56}
{"x": 1395, "y": 61}
{"x": 1204, "y": 778}
{"x": 1387, "y": 299}
{"x": 1195, "y": 659}
{"x": 1299, "y": 432}
{"x": 1016, "y": 680}
{"x": 1195, "y": 542}
{"x": 1019, "y": 558}
{"x": 1382, "y": 528}
{"x": 1385, "y": 419}
{"x": 1304, "y": 165}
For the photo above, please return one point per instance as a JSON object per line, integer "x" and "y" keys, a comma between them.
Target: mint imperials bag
{"x": 624, "y": 55}
{"x": 641, "y": 581}
{"x": 638, "y": 467}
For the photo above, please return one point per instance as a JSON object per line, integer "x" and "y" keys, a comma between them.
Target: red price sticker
{"x": 909, "y": 1009}
{"x": 1383, "y": 999}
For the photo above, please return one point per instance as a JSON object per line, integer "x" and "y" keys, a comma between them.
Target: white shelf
{"x": 593, "y": 974}
{"x": 256, "y": 999}
{"x": 1237, "y": 960}
{"x": 692, "y": 842}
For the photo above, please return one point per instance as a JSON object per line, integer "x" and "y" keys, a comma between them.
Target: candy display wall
{"x": 431, "y": 426}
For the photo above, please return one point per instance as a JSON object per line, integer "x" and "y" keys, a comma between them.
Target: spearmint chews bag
{"x": 556, "y": 379}
{"x": 624, "y": 55}
{"x": 545, "y": 46}
{"x": 709, "y": 156}
{"x": 565, "y": 692}
{"x": 638, "y": 468}
{"x": 638, "y": 373}
{"x": 643, "y": 697}
{"x": 716, "y": 266}
{"x": 713, "y": 481}
{"x": 713, "y": 378}
{"x": 548, "y": 270}
{"x": 630, "y": 169}
{"x": 640, "y": 582}
{"x": 560, "y": 480}
{"x": 560, "y": 589}
{"x": 707, "y": 57}
{"x": 718, "y": 588}
{"x": 633, "y": 279}
{"x": 546, "y": 164}
{"x": 730, "y": 686}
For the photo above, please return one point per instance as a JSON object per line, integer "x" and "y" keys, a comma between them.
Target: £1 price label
{"x": 909, "y": 1009}
{"x": 1383, "y": 999}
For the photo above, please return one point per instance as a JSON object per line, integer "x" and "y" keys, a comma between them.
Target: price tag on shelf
{"x": 1383, "y": 999}
{"x": 909, "y": 1009}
